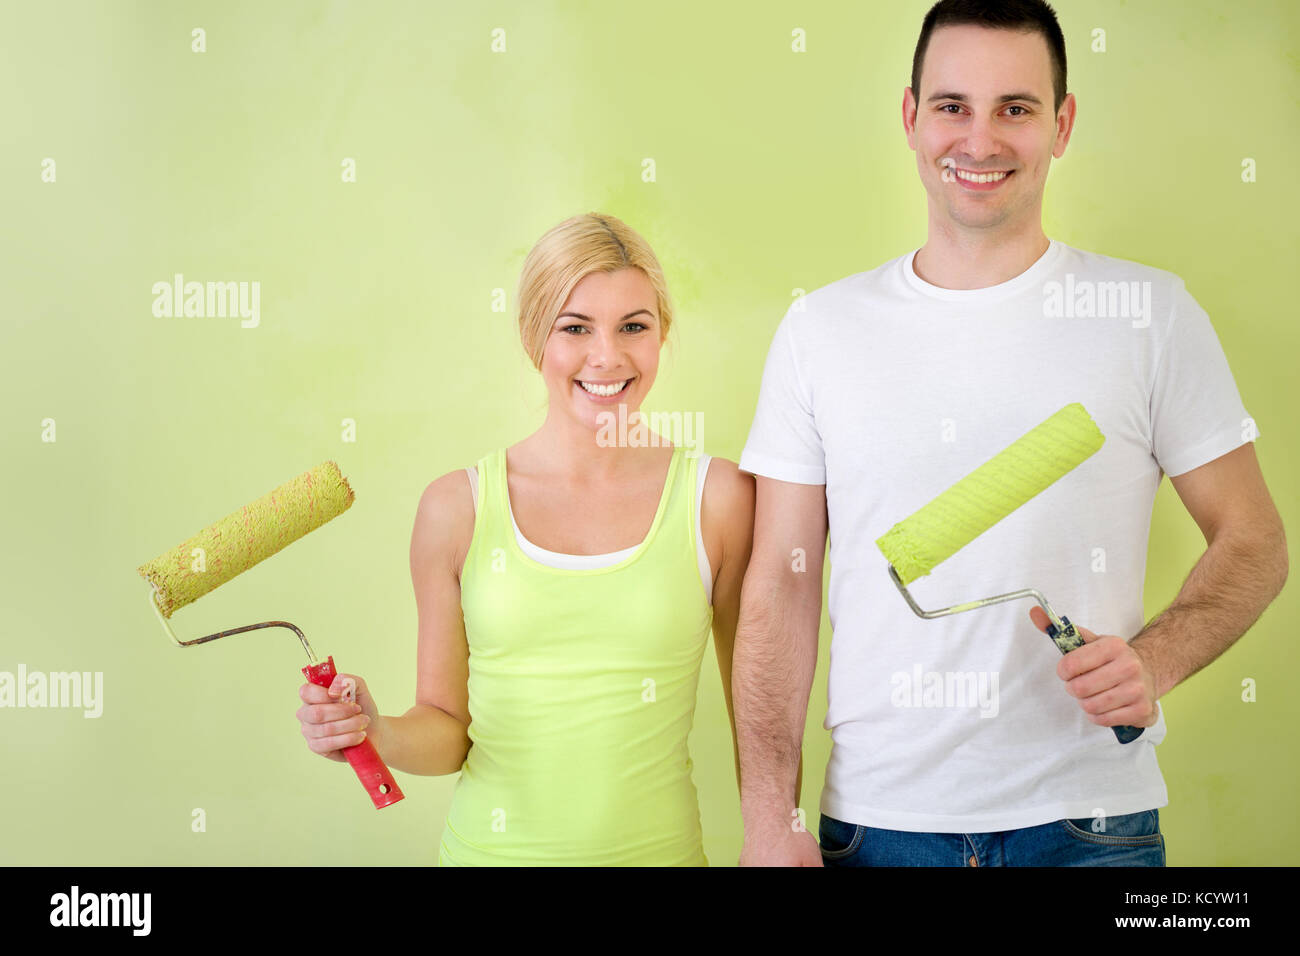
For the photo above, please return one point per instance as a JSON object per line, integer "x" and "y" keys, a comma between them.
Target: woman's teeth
{"x": 605, "y": 390}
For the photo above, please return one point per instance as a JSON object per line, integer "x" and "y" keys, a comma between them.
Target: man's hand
{"x": 1112, "y": 682}
{"x": 777, "y": 842}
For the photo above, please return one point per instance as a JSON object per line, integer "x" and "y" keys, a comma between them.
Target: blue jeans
{"x": 1133, "y": 839}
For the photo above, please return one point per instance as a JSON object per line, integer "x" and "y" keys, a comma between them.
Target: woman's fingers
{"x": 330, "y": 724}
{"x": 347, "y": 687}
{"x": 335, "y": 735}
{"x": 322, "y": 738}
{"x": 324, "y": 713}
{"x": 311, "y": 694}
{"x": 337, "y": 719}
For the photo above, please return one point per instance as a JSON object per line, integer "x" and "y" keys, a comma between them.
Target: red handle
{"x": 364, "y": 758}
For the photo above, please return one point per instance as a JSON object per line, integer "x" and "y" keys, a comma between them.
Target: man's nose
{"x": 981, "y": 142}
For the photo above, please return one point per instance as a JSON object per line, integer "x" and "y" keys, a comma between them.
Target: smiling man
{"x": 883, "y": 389}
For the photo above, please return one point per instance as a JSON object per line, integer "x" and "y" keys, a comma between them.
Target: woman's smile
{"x": 603, "y": 392}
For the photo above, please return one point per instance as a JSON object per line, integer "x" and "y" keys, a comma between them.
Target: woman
{"x": 565, "y": 589}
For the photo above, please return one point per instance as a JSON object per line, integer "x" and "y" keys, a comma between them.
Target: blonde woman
{"x": 566, "y": 587}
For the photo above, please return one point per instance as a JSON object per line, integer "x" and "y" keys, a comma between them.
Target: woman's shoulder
{"x": 727, "y": 476}
{"x": 448, "y": 492}
{"x": 728, "y": 492}
{"x": 444, "y": 518}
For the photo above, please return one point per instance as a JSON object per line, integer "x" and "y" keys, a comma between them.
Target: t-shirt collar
{"x": 1031, "y": 278}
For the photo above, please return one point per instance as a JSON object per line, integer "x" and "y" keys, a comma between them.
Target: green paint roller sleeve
{"x": 247, "y": 536}
{"x": 992, "y": 491}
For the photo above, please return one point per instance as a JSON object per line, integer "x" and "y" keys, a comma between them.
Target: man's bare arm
{"x": 1242, "y": 570}
{"x": 1238, "y": 576}
{"x": 775, "y": 659}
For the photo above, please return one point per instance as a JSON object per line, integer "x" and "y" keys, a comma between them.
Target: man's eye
{"x": 1022, "y": 112}
{"x": 945, "y": 107}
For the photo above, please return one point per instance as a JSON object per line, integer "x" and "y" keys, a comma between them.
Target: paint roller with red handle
{"x": 242, "y": 539}
{"x": 363, "y": 757}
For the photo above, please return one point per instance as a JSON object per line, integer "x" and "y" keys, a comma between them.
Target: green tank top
{"x": 582, "y": 689}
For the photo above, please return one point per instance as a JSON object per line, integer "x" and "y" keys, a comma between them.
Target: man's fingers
{"x": 1108, "y": 687}
{"x": 1039, "y": 617}
{"x": 1132, "y": 715}
{"x": 1096, "y": 658}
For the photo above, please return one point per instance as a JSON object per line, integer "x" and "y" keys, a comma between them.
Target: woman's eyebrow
{"x": 579, "y": 315}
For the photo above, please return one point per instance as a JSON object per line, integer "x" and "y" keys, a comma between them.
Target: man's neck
{"x": 952, "y": 260}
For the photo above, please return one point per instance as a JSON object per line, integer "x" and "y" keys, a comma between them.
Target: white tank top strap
{"x": 556, "y": 559}
{"x": 706, "y": 573}
{"x": 473, "y": 486}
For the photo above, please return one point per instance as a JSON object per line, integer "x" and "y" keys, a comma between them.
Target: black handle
{"x": 1067, "y": 638}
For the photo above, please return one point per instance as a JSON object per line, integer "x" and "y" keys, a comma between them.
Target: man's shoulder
{"x": 845, "y": 296}
{"x": 1102, "y": 267}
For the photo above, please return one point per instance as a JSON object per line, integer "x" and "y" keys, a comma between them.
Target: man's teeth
{"x": 980, "y": 177}
{"x": 605, "y": 390}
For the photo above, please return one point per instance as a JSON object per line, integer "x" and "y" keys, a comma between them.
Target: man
{"x": 883, "y": 389}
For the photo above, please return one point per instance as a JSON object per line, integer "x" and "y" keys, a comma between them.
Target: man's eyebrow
{"x": 587, "y": 318}
{"x": 1004, "y": 98}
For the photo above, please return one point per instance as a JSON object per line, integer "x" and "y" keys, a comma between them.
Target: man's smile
{"x": 977, "y": 180}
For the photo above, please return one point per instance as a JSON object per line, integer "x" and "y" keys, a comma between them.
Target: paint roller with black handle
{"x": 244, "y": 538}
{"x": 984, "y": 497}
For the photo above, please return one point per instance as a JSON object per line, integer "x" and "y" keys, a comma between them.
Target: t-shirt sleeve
{"x": 783, "y": 440}
{"x": 1196, "y": 411}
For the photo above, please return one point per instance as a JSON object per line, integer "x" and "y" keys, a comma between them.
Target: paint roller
{"x": 244, "y": 538}
{"x": 984, "y": 497}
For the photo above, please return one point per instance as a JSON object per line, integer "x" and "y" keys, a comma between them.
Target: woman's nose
{"x": 604, "y": 350}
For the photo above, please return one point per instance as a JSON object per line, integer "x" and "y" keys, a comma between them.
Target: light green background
{"x": 776, "y": 171}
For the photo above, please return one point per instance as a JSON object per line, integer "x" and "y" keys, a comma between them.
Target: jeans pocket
{"x": 1128, "y": 829}
{"x": 838, "y": 839}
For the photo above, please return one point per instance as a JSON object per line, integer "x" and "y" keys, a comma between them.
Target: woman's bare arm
{"x": 727, "y": 523}
{"x": 432, "y": 738}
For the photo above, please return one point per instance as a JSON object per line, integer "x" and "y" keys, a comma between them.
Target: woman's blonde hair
{"x": 566, "y": 254}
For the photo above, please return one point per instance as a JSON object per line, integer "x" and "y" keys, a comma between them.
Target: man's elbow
{"x": 1256, "y": 541}
{"x": 1269, "y": 547}
{"x": 775, "y": 582}
{"x": 1283, "y": 558}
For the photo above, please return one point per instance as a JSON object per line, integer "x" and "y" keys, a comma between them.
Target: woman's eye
{"x": 631, "y": 326}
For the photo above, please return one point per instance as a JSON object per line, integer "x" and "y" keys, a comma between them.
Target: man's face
{"x": 985, "y": 112}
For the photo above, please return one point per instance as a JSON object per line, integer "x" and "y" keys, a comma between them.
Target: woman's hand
{"x": 336, "y": 717}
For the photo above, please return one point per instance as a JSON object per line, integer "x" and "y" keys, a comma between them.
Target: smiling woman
{"x": 579, "y": 247}
{"x": 597, "y": 355}
{"x": 566, "y": 589}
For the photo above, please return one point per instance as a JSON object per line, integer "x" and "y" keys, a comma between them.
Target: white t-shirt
{"x": 888, "y": 390}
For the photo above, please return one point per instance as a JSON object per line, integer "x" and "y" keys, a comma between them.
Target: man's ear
{"x": 909, "y": 116}
{"x": 1064, "y": 124}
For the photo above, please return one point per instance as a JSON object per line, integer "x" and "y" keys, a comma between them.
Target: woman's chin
{"x": 600, "y": 415}
{"x": 608, "y": 422}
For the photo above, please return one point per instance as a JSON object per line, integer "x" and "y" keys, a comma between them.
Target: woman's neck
{"x": 565, "y": 447}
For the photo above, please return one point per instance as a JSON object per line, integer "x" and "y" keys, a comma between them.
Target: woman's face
{"x": 603, "y": 349}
